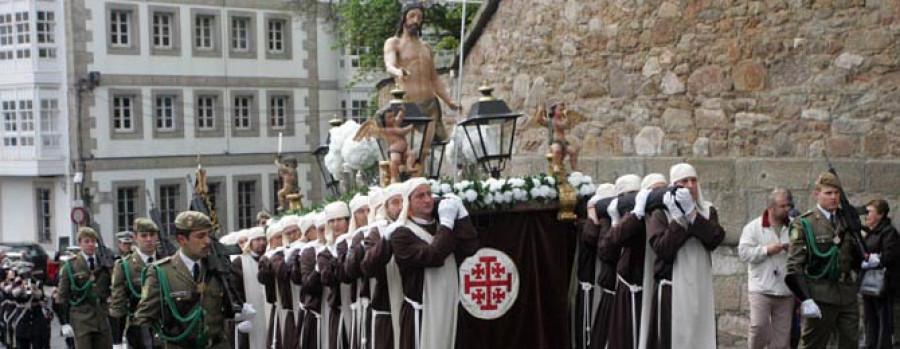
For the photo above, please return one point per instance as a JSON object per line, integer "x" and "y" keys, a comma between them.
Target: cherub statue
{"x": 288, "y": 172}
{"x": 557, "y": 119}
{"x": 395, "y": 137}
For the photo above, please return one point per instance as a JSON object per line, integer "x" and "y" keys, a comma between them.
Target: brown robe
{"x": 666, "y": 238}
{"x": 304, "y": 273}
{"x": 413, "y": 255}
{"x": 630, "y": 237}
{"x": 289, "y": 331}
{"x": 373, "y": 265}
{"x": 266, "y": 277}
{"x": 331, "y": 271}
{"x": 608, "y": 255}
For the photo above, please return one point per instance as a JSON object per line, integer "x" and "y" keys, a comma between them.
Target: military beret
{"x": 263, "y": 214}
{"x": 87, "y": 232}
{"x": 125, "y": 237}
{"x": 828, "y": 179}
{"x": 192, "y": 220}
{"x": 145, "y": 225}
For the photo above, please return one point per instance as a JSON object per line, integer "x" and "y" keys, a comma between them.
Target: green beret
{"x": 145, "y": 225}
{"x": 192, "y": 220}
{"x": 263, "y": 214}
{"x": 87, "y": 232}
{"x": 126, "y": 237}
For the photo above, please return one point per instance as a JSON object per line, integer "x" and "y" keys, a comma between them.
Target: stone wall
{"x": 754, "y": 93}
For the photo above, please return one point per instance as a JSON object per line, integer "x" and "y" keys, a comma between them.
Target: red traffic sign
{"x": 79, "y": 215}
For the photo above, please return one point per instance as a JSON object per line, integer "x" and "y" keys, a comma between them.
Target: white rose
{"x": 536, "y": 182}
{"x": 471, "y": 195}
{"x": 551, "y": 180}
{"x": 446, "y": 188}
{"x": 535, "y": 192}
{"x": 488, "y": 199}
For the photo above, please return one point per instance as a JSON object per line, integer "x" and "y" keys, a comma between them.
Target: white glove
{"x": 447, "y": 211}
{"x": 640, "y": 203}
{"x": 809, "y": 309}
{"x": 463, "y": 212}
{"x": 67, "y": 331}
{"x": 247, "y": 313}
{"x": 682, "y": 197}
{"x": 874, "y": 261}
{"x": 613, "y": 211}
{"x": 245, "y": 326}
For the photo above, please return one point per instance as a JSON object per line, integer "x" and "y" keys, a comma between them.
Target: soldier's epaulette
{"x": 162, "y": 261}
{"x": 807, "y": 214}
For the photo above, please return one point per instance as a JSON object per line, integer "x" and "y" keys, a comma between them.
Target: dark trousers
{"x": 879, "y": 321}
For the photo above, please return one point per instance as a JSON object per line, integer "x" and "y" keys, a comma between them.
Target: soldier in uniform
{"x": 182, "y": 283}
{"x": 823, "y": 266}
{"x": 124, "y": 240}
{"x": 84, "y": 288}
{"x": 128, "y": 274}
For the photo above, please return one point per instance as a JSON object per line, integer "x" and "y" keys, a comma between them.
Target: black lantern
{"x": 421, "y": 124}
{"x": 330, "y": 182}
{"x": 490, "y": 128}
{"x": 437, "y": 159}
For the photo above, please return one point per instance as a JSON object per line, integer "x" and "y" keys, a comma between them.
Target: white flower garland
{"x": 505, "y": 193}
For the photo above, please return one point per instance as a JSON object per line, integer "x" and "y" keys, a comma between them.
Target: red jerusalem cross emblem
{"x": 488, "y": 283}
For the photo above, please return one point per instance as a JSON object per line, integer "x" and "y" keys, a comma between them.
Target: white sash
{"x": 693, "y": 302}
{"x": 325, "y": 318}
{"x": 250, "y": 268}
{"x": 646, "y": 302}
{"x": 439, "y": 298}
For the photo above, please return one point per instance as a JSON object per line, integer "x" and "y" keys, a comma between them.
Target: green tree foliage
{"x": 368, "y": 23}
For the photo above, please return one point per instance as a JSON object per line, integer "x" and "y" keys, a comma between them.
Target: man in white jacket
{"x": 764, "y": 247}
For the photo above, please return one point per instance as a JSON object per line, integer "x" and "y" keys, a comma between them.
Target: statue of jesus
{"x": 410, "y": 61}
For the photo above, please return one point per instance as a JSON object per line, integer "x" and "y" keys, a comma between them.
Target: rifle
{"x": 164, "y": 247}
{"x": 218, "y": 261}
{"x": 848, "y": 214}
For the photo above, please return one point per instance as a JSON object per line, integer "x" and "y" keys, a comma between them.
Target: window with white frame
{"x": 277, "y": 111}
{"x": 242, "y": 112}
{"x": 120, "y": 28}
{"x": 168, "y": 203}
{"x": 123, "y": 113}
{"x": 6, "y": 29}
{"x": 206, "y": 112}
{"x": 46, "y": 25}
{"x": 126, "y": 201}
{"x": 164, "y": 110}
{"x": 240, "y": 34}
{"x": 10, "y": 123}
{"x": 203, "y": 27}
{"x": 45, "y": 215}
{"x": 23, "y": 28}
{"x": 358, "y": 109}
{"x": 246, "y": 200}
{"x": 276, "y": 35}
{"x": 162, "y": 29}
{"x": 50, "y": 136}
{"x": 26, "y": 122}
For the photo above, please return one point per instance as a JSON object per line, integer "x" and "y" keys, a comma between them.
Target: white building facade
{"x": 34, "y": 192}
{"x": 110, "y": 104}
{"x": 182, "y": 79}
